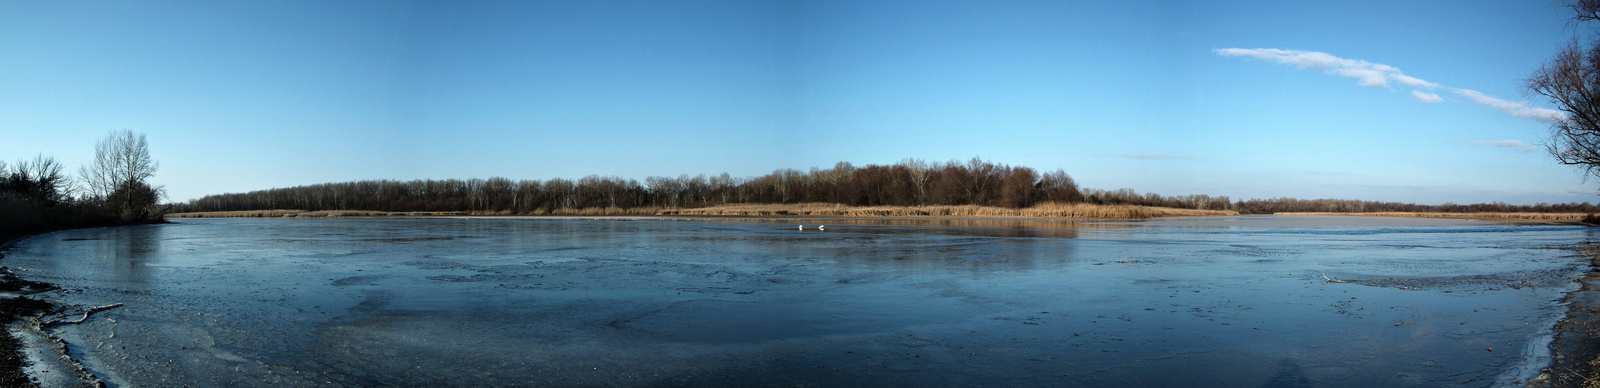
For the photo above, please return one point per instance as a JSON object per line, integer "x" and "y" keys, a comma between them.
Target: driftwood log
{"x": 1325, "y": 277}
{"x": 86, "y": 313}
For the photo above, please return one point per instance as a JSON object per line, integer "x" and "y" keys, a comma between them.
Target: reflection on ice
{"x": 1236, "y": 301}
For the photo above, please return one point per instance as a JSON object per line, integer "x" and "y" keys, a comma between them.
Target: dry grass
{"x": 1506, "y": 216}
{"x": 598, "y": 211}
{"x": 303, "y": 213}
{"x": 368, "y": 213}
{"x": 1046, "y": 210}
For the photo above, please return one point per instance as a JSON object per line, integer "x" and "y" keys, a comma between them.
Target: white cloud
{"x": 1425, "y": 97}
{"x": 1379, "y": 75}
{"x": 1155, "y": 156}
{"x": 1512, "y": 144}
{"x": 1365, "y": 73}
{"x": 1519, "y": 109}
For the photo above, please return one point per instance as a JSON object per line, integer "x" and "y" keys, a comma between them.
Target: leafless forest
{"x": 907, "y": 183}
{"x": 35, "y": 195}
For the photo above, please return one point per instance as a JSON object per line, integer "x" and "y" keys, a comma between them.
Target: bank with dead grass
{"x": 1044, "y": 210}
{"x": 1553, "y": 217}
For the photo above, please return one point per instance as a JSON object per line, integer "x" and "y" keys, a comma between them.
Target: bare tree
{"x": 1020, "y": 188}
{"x": 921, "y": 173}
{"x": 118, "y": 175}
{"x": 1585, "y": 10}
{"x": 1571, "y": 82}
{"x": 1057, "y": 186}
{"x": 39, "y": 179}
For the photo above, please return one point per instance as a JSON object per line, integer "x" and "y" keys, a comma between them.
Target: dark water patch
{"x": 365, "y": 280}
{"x": 1521, "y": 280}
{"x": 411, "y": 239}
{"x": 436, "y": 265}
{"x": 559, "y": 249}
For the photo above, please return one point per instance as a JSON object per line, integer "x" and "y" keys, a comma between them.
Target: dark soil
{"x": 11, "y": 359}
{"x": 13, "y": 308}
{"x": 1575, "y": 351}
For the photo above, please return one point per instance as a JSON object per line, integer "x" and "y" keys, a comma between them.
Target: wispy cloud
{"x": 1156, "y": 156}
{"x": 1519, "y": 109}
{"x": 1397, "y": 187}
{"x": 1365, "y": 73}
{"x": 1425, "y": 97}
{"x": 1512, "y": 144}
{"x": 1380, "y": 75}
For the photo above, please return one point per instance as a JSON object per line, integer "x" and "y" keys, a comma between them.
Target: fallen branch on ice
{"x": 86, "y": 313}
{"x": 1325, "y": 277}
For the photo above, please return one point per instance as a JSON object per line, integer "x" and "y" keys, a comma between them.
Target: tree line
{"x": 1295, "y": 205}
{"x": 909, "y": 182}
{"x": 1285, "y": 205}
{"x": 36, "y": 195}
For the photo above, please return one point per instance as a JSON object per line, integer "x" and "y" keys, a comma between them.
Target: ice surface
{"x": 1231, "y": 301}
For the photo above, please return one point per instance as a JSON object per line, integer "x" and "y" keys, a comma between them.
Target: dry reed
{"x": 368, "y": 213}
{"x": 303, "y": 213}
{"x": 1044, "y": 210}
{"x": 1507, "y": 216}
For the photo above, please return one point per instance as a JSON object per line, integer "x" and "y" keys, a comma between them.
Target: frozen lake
{"x": 1228, "y": 301}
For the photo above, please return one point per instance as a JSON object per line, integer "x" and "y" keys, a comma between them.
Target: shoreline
{"x": 30, "y": 356}
{"x": 1532, "y": 218}
{"x": 1051, "y": 211}
{"x": 1575, "y": 346}
{"x": 1572, "y": 219}
{"x": 1046, "y": 210}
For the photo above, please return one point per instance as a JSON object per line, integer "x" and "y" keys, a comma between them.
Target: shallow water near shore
{"x": 1216, "y": 301}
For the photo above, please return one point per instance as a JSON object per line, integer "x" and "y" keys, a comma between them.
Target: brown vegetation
{"x": 1575, "y": 350}
{"x": 908, "y": 183}
{"x": 303, "y": 213}
{"x": 118, "y": 178}
{"x": 1044, "y": 210}
{"x": 1287, "y": 205}
{"x": 371, "y": 213}
{"x": 933, "y": 188}
{"x": 36, "y": 197}
{"x": 1486, "y": 215}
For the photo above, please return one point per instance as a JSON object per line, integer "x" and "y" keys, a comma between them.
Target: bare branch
{"x": 118, "y": 175}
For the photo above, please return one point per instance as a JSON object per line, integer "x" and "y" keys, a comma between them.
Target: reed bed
{"x": 289, "y": 213}
{"x": 599, "y": 211}
{"x": 1046, "y": 210}
{"x": 1507, "y": 216}
{"x": 302, "y": 213}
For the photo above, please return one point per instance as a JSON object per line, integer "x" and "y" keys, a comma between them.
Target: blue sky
{"x": 1363, "y": 100}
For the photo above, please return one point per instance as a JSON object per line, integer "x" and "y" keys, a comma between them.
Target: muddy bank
{"x": 24, "y": 348}
{"x": 1043, "y": 210}
{"x": 12, "y": 309}
{"x": 1548, "y": 218}
{"x": 1575, "y": 351}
